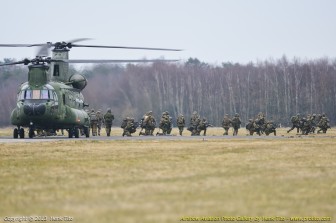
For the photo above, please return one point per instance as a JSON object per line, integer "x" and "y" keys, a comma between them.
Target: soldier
{"x": 100, "y": 120}
{"x": 108, "y": 120}
{"x": 249, "y": 127}
{"x": 323, "y": 124}
{"x": 93, "y": 122}
{"x": 194, "y": 122}
{"x": 296, "y": 123}
{"x": 129, "y": 126}
{"x": 305, "y": 126}
{"x": 203, "y": 125}
{"x": 165, "y": 124}
{"x": 148, "y": 123}
{"x": 226, "y": 124}
{"x": 236, "y": 124}
{"x": 313, "y": 122}
{"x": 180, "y": 123}
{"x": 124, "y": 123}
{"x": 260, "y": 123}
{"x": 270, "y": 128}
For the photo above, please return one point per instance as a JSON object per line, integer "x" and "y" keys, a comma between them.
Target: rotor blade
{"x": 13, "y": 63}
{"x": 113, "y": 61}
{"x": 21, "y": 45}
{"x": 124, "y": 47}
{"x": 78, "y": 40}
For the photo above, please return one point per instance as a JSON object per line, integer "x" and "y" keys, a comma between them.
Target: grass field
{"x": 166, "y": 180}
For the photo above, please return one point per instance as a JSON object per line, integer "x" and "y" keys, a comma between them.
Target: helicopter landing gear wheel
{"x": 16, "y": 133}
{"x": 21, "y": 133}
{"x": 76, "y": 132}
{"x": 87, "y": 132}
{"x": 31, "y": 133}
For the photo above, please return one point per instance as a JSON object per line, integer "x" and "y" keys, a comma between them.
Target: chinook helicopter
{"x": 51, "y": 99}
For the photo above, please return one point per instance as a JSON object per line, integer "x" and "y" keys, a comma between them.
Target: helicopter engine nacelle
{"x": 78, "y": 81}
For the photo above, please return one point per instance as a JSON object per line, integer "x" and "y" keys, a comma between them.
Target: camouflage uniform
{"x": 203, "y": 125}
{"x": 250, "y": 127}
{"x": 296, "y": 122}
{"x": 323, "y": 124}
{"x": 165, "y": 124}
{"x": 314, "y": 122}
{"x": 270, "y": 128}
{"x": 226, "y": 124}
{"x": 305, "y": 126}
{"x": 129, "y": 126}
{"x": 194, "y": 122}
{"x": 148, "y": 123}
{"x": 108, "y": 120}
{"x": 236, "y": 124}
{"x": 260, "y": 123}
{"x": 180, "y": 123}
{"x": 100, "y": 120}
{"x": 93, "y": 122}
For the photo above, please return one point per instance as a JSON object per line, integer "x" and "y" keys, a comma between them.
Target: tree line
{"x": 279, "y": 88}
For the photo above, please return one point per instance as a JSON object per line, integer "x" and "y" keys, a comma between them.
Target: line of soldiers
{"x": 234, "y": 123}
{"x": 148, "y": 124}
{"x": 309, "y": 124}
{"x": 258, "y": 125}
{"x": 97, "y": 120}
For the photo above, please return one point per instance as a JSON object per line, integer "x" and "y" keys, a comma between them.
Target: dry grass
{"x": 162, "y": 181}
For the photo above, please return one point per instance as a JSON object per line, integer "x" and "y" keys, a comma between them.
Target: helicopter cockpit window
{"x": 51, "y": 95}
{"x": 21, "y": 95}
{"x": 36, "y": 94}
{"x": 28, "y": 94}
{"x": 44, "y": 94}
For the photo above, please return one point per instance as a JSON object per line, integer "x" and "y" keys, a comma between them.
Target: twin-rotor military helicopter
{"x": 51, "y": 99}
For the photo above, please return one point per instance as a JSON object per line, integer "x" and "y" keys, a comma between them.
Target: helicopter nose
{"x": 34, "y": 109}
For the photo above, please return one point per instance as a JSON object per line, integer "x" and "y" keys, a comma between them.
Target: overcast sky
{"x": 214, "y": 31}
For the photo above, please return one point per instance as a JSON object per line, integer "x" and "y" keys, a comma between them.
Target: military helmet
{"x": 108, "y": 110}
{"x": 195, "y": 113}
{"x": 92, "y": 110}
{"x": 237, "y": 115}
{"x": 250, "y": 120}
{"x": 314, "y": 115}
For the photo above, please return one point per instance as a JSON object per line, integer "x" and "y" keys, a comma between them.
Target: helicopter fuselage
{"x": 48, "y": 105}
{"x": 51, "y": 106}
